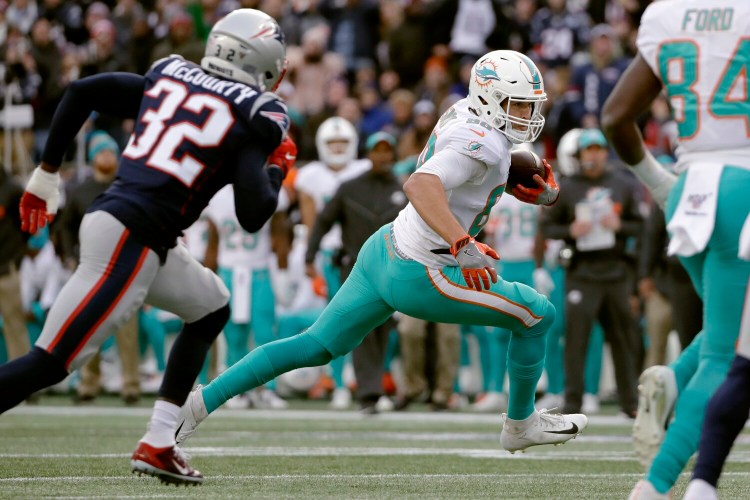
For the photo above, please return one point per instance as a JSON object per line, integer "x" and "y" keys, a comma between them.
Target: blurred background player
{"x": 243, "y": 260}
{"x": 410, "y": 265}
{"x": 697, "y": 51}
{"x": 359, "y": 207}
{"x": 596, "y": 214}
{"x": 169, "y": 172}
{"x": 337, "y": 143}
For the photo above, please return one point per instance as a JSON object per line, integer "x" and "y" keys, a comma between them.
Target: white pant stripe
{"x": 484, "y": 298}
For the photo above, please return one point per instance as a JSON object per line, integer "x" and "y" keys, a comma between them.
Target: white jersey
{"x": 320, "y": 182}
{"x": 472, "y": 159}
{"x": 237, "y": 247}
{"x": 700, "y": 50}
{"x": 513, "y": 224}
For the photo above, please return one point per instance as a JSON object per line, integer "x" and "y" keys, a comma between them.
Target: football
{"x": 523, "y": 166}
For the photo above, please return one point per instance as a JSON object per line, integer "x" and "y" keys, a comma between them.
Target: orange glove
{"x": 476, "y": 262}
{"x": 546, "y": 194}
{"x": 320, "y": 287}
{"x": 284, "y": 156}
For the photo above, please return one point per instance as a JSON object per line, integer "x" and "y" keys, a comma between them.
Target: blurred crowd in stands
{"x": 390, "y": 68}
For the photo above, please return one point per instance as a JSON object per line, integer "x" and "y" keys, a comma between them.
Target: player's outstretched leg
{"x": 657, "y": 393}
{"x": 726, "y": 415}
{"x": 157, "y": 454}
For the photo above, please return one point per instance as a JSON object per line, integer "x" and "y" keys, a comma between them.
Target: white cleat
{"x": 491, "y": 402}
{"x": 590, "y": 404}
{"x": 265, "y": 399}
{"x": 384, "y": 404}
{"x": 698, "y": 489}
{"x": 541, "y": 428}
{"x": 657, "y": 394}
{"x": 341, "y": 399}
{"x": 644, "y": 490}
{"x": 192, "y": 413}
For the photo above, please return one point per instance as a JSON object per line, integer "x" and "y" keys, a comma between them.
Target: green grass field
{"x": 310, "y": 452}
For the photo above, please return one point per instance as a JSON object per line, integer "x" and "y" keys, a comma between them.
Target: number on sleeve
{"x": 428, "y": 150}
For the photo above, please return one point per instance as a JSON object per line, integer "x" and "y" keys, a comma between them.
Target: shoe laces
{"x": 553, "y": 418}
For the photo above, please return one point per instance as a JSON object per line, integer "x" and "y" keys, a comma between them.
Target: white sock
{"x": 516, "y": 426}
{"x": 160, "y": 433}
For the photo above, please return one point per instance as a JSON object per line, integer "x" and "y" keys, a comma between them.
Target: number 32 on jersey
{"x": 161, "y": 137}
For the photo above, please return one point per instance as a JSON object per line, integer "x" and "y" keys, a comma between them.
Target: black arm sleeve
{"x": 330, "y": 214}
{"x": 114, "y": 94}
{"x": 256, "y": 189}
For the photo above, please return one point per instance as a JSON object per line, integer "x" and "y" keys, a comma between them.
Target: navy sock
{"x": 188, "y": 355}
{"x": 726, "y": 414}
{"x": 22, "y": 377}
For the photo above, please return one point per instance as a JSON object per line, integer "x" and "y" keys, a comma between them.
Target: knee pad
{"x": 209, "y": 326}
{"x": 315, "y": 353}
{"x": 548, "y": 319}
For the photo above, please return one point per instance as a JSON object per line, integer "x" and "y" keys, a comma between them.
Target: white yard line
{"x": 354, "y": 416}
{"x": 567, "y": 453}
{"x": 308, "y": 477}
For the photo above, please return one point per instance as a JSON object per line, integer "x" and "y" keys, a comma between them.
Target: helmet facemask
{"x": 501, "y": 78}
{"x": 519, "y": 130}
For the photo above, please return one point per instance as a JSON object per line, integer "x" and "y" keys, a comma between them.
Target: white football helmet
{"x": 336, "y": 129}
{"x": 500, "y": 77}
{"x": 247, "y": 45}
{"x": 567, "y": 153}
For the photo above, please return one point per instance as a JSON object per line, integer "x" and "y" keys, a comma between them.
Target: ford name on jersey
{"x": 182, "y": 70}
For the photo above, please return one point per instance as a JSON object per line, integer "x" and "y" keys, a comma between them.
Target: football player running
{"x": 698, "y": 51}
{"x": 198, "y": 128}
{"x": 427, "y": 263}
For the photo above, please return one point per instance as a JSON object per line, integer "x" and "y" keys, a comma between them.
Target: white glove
{"x": 543, "y": 281}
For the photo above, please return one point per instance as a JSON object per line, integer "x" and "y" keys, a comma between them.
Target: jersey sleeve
{"x": 453, "y": 168}
{"x": 650, "y": 35}
{"x": 477, "y": 141}
{"x": 269, "y": 120}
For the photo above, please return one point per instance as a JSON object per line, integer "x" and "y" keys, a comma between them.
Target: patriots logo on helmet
{"x": 272, "y": 30}
{"x": 281, "y": 119}
{"x": 486, "y": 72}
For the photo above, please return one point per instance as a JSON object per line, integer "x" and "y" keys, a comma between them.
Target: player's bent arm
{"x": 631, "y": 97}
{"x": 256, "y": 189}
{"x": 427, "y": 194}
{"x": 113, "y": 94}
{"x": 426, "y": 188}
{"x": 307, "y": 209}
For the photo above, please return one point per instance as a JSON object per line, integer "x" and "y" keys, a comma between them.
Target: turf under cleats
{"x": 169, "y": 464}
{"x": 192, "y": 413}
{"x": 540, "y": 428}
{"x": 657, "y": 393}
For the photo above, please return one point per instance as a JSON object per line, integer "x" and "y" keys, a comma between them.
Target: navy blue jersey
{"x": 193, "y": 132}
